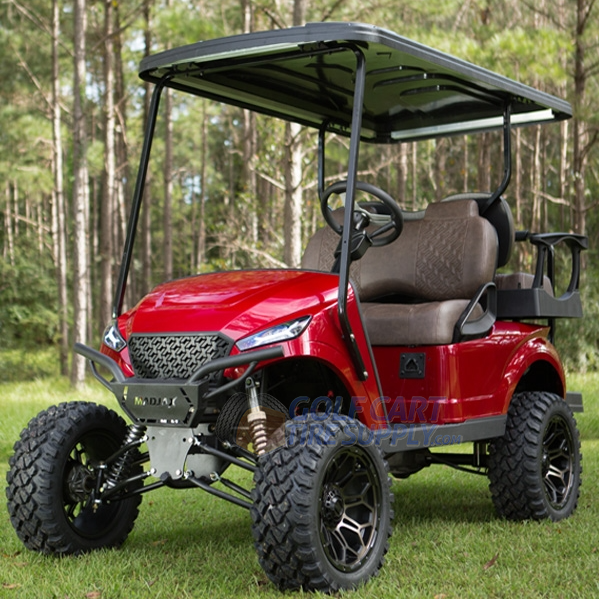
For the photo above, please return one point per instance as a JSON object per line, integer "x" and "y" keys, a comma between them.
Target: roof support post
{"x": 507, "y": 157}
{"x": 352, "y": 169}
{"x": 137, "y": 198}
{"x": 321, "y": 160}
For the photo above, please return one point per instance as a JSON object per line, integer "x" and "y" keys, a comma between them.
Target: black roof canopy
{"x": 307, "y": 75}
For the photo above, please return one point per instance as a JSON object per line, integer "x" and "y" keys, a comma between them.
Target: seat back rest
{"x": 499, "y": 215}
{"x": 448, "y": 254}
{"x": 320, "y": 251}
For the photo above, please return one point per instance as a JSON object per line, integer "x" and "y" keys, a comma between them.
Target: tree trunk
{"x": 580, "y": 134}
{"x": 441, "y": 168}
{"x": 535, "y": 182}
{"x": 80, "y": 194}
{"x": 293, "y": 175}
{"x": 402, "y": 174}
{"x": 516, "y": 190}
{"x": 414, "y": 176}
{"x": 201, "y": 225}
{"x": 146, "y": 223}
{"x": 293, "y": 196}
{"x": 107, "y": 201}
{"x": 122, "y": 174}
{"x": 563, "y": 170}
{"x": 9, "y": 242}
{"x": 27, "y": 216}
{"x": 40, "y": 228}
{"x": 58, "y": 205}
{"x": 15, "y": 208}
{"x": 249, "y": 143}
{"x": 249, "y": 172}
{"x": 299, "y": 12}
{"x": 484, "y": 162}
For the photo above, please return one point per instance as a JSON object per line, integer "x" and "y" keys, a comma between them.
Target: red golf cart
{"x": 396, "y": 337}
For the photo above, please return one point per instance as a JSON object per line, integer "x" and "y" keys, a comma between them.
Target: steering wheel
{"x": 390, "y": 223}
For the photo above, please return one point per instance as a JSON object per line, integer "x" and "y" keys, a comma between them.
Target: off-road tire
{"x": 49, "y": 481}
{"x": 535, "y": 468}
{"x": 308, "y": 497}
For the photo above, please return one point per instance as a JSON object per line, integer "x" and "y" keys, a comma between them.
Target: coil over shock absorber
{"x": 120, "y": 469}
{"x": 256, "y": 418}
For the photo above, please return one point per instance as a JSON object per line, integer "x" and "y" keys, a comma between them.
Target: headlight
{"x": 113, "y": 339}
{"x": 276, "y": 334}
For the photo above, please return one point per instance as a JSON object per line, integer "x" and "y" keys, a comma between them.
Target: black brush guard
{"x": 172, "y": 402}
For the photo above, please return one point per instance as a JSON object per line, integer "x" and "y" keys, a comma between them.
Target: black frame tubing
{"x": 220, "y": 494}
{"x": 137, "y": 198}
{"x": 507, "y": 158}
{"x": 352, "y": 169}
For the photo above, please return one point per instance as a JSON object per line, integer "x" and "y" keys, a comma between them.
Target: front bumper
{"x": 172, "y": 402}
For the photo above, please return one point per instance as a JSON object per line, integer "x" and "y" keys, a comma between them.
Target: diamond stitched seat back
{"x": 424, "y": 279}
{"x": 445, "y": 255}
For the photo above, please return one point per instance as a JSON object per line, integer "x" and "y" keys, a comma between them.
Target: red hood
{"x": 235, "y": 303}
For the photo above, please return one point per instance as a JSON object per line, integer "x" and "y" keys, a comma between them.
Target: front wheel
{"x": 535, "y": 468}
{"x": 322, "y": 506}
{"x": 52, "y": 480}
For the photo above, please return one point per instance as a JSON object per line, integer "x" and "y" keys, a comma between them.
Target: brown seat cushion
{"x": 443, "y": 257}
{"x": 431, "y": 323}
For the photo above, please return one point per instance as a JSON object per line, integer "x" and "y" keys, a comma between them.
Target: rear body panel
{"x": 472, "y": 379}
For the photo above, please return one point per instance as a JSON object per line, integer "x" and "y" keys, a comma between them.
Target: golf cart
{"x": 395, "y": 338}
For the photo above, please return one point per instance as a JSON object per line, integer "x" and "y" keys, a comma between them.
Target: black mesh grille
{"x": 174, "y": 356}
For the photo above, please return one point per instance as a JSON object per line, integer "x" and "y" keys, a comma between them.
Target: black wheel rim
{"x": 558, "y": 462}
{"x": 350, "y": 508}
{"x": 79, "y": 486}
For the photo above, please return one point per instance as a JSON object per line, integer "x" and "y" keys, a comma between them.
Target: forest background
{"x": 228, "y": 189}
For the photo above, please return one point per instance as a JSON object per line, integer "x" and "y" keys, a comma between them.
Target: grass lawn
{"x": 447, "y": 541}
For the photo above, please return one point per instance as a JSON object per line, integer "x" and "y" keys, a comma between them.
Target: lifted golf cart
{"x": 396, "y": 336}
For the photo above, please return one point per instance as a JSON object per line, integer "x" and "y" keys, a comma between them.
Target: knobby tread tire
{"x": 285, "y": 510}
{"x": 35, "y": 480}
{"x": 515, "y": 460}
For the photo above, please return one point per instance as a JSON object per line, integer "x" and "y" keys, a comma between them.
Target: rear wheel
{"x": 322, "y": 507}
{"x": 535, "y": 468}
{"x": 52, "y": 481}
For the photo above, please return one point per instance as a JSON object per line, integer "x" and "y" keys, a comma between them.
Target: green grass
{"x": 26, "y": 365}
{"x": 447, "y": 541}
